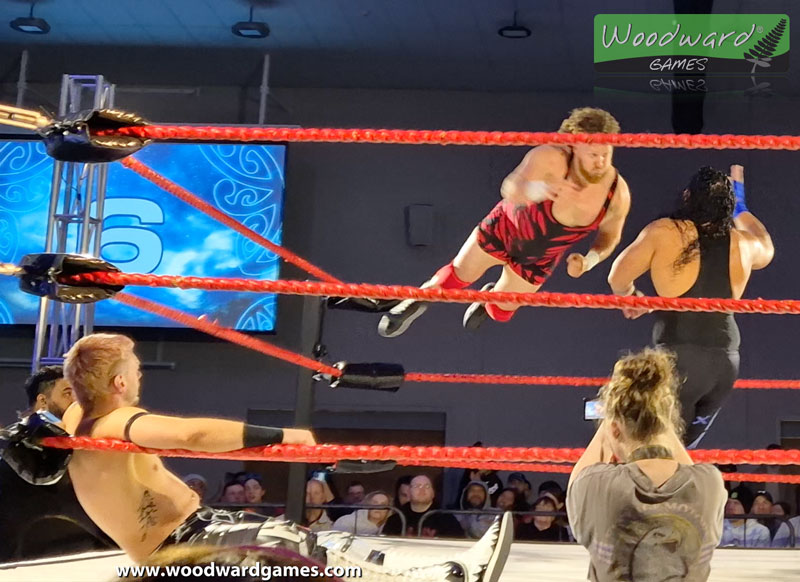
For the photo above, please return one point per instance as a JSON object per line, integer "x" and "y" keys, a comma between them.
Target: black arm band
{"x": 130, "y": 422}
{"x": 258, "y": 436}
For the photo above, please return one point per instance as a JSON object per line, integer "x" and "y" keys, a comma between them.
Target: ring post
{"x": 310, "y": 339}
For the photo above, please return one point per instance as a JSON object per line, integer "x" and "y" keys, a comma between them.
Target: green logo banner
{"x": 691, "y": 43}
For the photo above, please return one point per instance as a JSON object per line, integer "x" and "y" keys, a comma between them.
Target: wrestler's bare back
{"x": 132, "y": 497}
{"x": 670, "y": 239}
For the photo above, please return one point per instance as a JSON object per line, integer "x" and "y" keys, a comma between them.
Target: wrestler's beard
{"x": 56, "y": 410}
{"x": 590, "y": 177}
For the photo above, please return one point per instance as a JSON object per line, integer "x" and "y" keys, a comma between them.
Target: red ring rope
{"x": 761, "y": 478}
{"x": 183, "y": 194}
{"x": 122, "y": 446}
{"x": 566, "y": 469}
{"x": 453, "y": 137}
{"x": 540, "y": 299}
{"x": 294, "y": 358}
{"x": 225, "y": 333}
{"x": 401, "y": 454}
{"x": 577, "y": 381}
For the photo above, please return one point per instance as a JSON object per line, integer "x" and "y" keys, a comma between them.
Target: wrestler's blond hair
{"x": 589, "y": 120}
{"x": 642, "y": 394}
{"x": 91, "y": 364}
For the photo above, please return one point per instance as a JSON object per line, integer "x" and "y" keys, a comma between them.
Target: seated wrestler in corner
{"x": 144, "y": 507}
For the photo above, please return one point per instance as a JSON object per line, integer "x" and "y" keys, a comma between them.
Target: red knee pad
{"x": 499, "y": 314}
{"x": 448, "y": 279}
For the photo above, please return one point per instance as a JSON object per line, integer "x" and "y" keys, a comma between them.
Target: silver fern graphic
{"x": 761, "y": 54}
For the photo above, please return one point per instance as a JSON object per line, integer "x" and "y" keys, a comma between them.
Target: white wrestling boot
{"x": 483, "y": 562}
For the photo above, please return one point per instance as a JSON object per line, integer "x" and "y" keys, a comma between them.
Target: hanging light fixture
{"x": 250, "y": 28}
{"x": 29, "y": 24}
{"x": 514, "y": 30}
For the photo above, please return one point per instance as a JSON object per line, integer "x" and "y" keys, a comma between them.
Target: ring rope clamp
{"x": 369, "y": 376}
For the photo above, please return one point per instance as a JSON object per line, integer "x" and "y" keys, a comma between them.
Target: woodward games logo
{"x": 691, "y": 43}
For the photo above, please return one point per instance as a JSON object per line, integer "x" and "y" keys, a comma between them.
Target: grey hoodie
{"x": 636, "y": 531}
{"x": 357, "y": 523}
{"x": 475, "y": 525}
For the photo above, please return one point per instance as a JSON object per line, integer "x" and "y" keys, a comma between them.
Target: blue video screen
{"x": 147, "y": 230}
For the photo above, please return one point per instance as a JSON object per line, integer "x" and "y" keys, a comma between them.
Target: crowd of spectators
{"x": 481, "y": 496}
{"x": 767, "y": 528}
{"x": 539, "y": 514}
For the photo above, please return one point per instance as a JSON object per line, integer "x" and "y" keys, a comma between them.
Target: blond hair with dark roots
{"x": 91, "y": 364}
{"x": 589, "y": 120}
{"x": 642, "y": 395}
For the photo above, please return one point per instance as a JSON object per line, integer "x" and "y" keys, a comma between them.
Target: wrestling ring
{"x": 528, "y": 561}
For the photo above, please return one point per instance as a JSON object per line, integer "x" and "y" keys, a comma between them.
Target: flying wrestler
{"x": 556, "y": 197}
{"x": 144, "y": 507}
{"x": 707, "y": 248}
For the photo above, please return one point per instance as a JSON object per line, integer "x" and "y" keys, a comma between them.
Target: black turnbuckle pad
{"x": 47, "y": 275}
{"x": 365, "y": 304}
{"x": 76, "y": 139}
{"x": 22, "y": 452}
{"x": 369, "y": 376}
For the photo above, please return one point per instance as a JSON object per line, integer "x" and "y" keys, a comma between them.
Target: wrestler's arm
{"x": 609, "y": 233}
{"x": 210, "y": 435}
{"x": 759, "y": 242}
{"x": 635, "y": 260}
{"x": 529, "y": 181}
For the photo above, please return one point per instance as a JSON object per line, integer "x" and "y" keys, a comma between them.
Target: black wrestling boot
{"x": 476, "y": 314}
{"x": 400, "y": 317}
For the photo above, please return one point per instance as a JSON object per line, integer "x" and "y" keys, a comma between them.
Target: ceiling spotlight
{"x": 250, "y": 29}
{"x": 30, "y": 25}
{"x": 514, "y": 30}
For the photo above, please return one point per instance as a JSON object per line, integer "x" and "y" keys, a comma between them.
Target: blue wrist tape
{"x": 738, "y": 191}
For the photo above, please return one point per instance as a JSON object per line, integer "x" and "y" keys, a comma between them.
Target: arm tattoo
{"x": 147, "y": 513}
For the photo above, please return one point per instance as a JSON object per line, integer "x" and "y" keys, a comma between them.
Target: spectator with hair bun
{"x": 635, "y": 499}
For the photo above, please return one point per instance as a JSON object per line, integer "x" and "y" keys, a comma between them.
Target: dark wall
{"x": 345, "y": 213}
{"x": 371, "y": 185}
